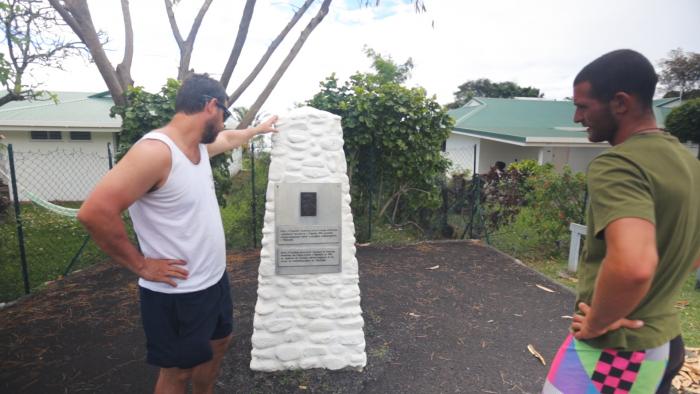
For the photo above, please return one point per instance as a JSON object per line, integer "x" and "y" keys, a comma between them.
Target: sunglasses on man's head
{"x": 227, "y": 113}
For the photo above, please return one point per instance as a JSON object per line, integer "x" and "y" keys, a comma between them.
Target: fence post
{"x": 370, "y": 193}
{"x": 252, "y": 190}
{"x": 18, "y": 219}
{"x": 109, "y": 155}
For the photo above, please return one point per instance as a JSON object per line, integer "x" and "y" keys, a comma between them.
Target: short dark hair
{"x": 623, "y": 70}
{"x": 190, "y": 97}
{"x": 501, "y": 165}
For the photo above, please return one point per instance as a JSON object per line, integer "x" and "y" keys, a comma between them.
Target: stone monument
{"x": 308, "y": 311}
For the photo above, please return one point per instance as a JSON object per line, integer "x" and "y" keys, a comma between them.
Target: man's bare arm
{"x": 230, "y": 139}
{"x": 146, "y": 165}
{"x": 626, "y": 272}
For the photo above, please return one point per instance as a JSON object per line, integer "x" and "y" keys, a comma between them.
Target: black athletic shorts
{"x": 179, "y": 327}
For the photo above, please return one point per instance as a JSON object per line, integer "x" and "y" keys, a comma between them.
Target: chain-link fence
{"x": 41, "y": 239}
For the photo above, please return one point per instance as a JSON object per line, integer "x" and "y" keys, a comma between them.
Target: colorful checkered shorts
{"x": 581, "y": 369}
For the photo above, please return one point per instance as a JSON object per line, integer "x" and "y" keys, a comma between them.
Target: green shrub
{"x": 237, "y": 216}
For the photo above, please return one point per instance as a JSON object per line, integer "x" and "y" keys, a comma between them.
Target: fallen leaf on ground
{"x": 433, "y": 267}
{"x": 537, "y": 354}
{"x": 688, "y": 379}
{"x": 567, "y": 276}
{"x": 567, "y": 317}
{"x": 682, "y": 304}
{"x": 413, "y": 314}
{"x": 545, "y": 288}
{"x": 303, "y": 387}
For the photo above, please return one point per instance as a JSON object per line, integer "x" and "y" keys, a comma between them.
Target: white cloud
{"x": 534, "y": 43}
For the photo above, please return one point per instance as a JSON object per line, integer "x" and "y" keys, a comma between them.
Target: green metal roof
{"x": 524, "y": 120}
{"x": 72, "y": 109}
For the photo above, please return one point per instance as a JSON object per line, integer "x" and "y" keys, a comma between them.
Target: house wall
{"x": 460, "y": 150}
{"x": 64, "y": 170}
{"x": 492, "y": 151}
{"x": 577, "y": 158}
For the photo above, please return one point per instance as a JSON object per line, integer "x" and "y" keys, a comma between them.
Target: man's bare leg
{"x": 204, "y": 375}
{"x": 172, "y": 380}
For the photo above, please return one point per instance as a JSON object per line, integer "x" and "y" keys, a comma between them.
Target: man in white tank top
{"x": 165, "y": 181}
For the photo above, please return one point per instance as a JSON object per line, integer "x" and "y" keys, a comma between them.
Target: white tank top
{"x": 181, "y": 220}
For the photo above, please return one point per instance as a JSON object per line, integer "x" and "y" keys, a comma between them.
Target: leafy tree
{"x": 31, "y": 37}
{"x": 681, "y": 71}
{"x": 483, "y": 87}
{"x": 684, "y": 122}
{"x": 393, "y": 136}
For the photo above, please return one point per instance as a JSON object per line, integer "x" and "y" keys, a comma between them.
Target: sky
{"x": 539, "y": 43}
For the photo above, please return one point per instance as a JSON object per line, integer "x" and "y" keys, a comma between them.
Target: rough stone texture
{"x": 315, "y": 320}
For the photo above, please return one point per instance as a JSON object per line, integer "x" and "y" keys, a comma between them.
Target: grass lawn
{"x": 689, "y": 304}
{"x": 51, "y": 241}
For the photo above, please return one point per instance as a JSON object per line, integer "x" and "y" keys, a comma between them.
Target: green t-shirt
{"x": 652, "y": 177}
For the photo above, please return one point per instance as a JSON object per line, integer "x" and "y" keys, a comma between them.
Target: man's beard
{"x": 210, "y": 133}
{"x": 605, "y": 129}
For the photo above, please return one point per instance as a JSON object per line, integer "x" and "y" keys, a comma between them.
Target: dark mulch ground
{"x": 463, "y": 327}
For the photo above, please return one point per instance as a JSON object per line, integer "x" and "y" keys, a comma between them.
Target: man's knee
{"x": 176, "y": 375}
{"x": 221, "y": 345}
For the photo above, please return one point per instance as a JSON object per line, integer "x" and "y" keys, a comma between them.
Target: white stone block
{"x": 288, "y": 352}
{"x": 335, "y": 363}
{"x": 315, "y": 351}
{"x": 278, "y": 325}
{"x": 321, "y": 325}
{"x": 264, "y": 341}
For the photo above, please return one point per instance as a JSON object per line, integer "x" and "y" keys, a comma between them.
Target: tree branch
{"x": 322, "y": 12}
{"x": 270, "y": 50}
{"x": 76, "y": 13}
{"x": 186, "y": 46}
{"x": 124, "y": 68}
{"x": 238, "y": 45}
{"x": 173, "y": 24}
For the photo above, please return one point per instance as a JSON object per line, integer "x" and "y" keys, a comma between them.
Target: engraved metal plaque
{"x": 292, "y": 235}
{"x": 299, "y": 257}
{"x": 308, "y": 228}
{"x": 308, "y": 204}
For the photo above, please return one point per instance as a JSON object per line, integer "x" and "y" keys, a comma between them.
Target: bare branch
{"x": 186, "y": 46}
{"x": 76, "y": 13}
{"x": 322, "y": 12}
{"x": 124, "y": 68}
{"x": 173, "y": 24}
{"x": 270, "y": 50}
{"x": 238, "y": 45}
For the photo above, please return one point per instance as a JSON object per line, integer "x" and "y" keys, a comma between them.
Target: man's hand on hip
{"x": 163, "y": 270}
{"x": 582, "y": 326}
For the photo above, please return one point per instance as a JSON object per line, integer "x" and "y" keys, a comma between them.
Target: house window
{"x": 46, "y": 135}
{"x": 80, "y": 135}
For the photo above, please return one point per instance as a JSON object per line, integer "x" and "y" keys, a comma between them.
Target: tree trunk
{"x": 77, "y": 15}
{"x": 248, "y": 118}
{"x": 238, "y": 45}
{"x": 270, "y": 50}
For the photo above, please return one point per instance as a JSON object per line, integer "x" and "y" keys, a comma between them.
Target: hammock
{"x": 57, "y": 209}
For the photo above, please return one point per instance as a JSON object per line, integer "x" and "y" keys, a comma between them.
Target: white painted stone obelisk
{"x": 308, "y": 320}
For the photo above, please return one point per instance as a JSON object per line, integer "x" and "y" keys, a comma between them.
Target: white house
{"x": 487, "y": 130}
{"x": 60, "y": 147}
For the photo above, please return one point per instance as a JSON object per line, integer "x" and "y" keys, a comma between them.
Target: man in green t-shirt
{"x": 643, "y": 238}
